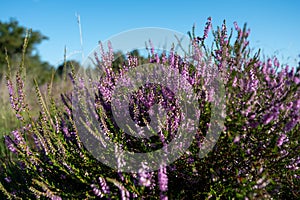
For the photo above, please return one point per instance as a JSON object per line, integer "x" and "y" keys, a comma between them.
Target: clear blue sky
{"x": 274, "y": 24}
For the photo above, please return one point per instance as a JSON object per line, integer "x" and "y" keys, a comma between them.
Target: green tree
{"x": 12, "y": 37}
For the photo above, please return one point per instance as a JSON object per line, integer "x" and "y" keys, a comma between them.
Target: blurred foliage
{"x": 12, "y": 36}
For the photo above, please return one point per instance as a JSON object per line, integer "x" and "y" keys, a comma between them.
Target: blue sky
{"x": 274, "y": 24}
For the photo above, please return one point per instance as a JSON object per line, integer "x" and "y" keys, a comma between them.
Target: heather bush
{"x": 256, "y": 156}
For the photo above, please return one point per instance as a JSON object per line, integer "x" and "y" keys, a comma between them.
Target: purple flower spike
{"x": 163, "y": 180}
{"x": 10, "y": 144}
{"x": 103, "y": 185}
{"x": 145, "y": 176}
{"x": 268, "y": 118}
{"x": 283, "y": 138}
{"x": 207, "y": 28}
{"x": 290, "y": 125}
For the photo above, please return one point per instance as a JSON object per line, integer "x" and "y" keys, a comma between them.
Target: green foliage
{"x": 12, "y": 37}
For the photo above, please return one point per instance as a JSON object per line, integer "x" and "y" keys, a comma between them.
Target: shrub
{"x": 256, "y": 156}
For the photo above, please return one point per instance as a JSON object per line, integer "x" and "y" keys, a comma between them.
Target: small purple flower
{"x": 237, "y": 28}
{"x": 21, "y": 94}
{"x": 55, "y": 197}
{"x": 296, "y": 176}
{"x": 190, "y": 160}
{"x": 10, "y": 144}
{"x": 66, "y": 131}
{"x": 296, "y": 104}
{"x": 22, "y": 165}
{"x": 97, "y": 191}
{"x": 234, "y": 83}
{"x": 254, "y": 124}
{"x": 268, "y": 118}
{"x": 103, "y": 185}
{"x": 296, "y": 80}
{"x": 252, "y": 116}
{"x": 172, "y": 58}
{"x": 291, "y": 73}
{"x": 294, "y": 164}
{"x": 273, "y": 115}
{"x": 289, "y": 105}
{"x": 290, "y": 125}
{"x": 107, "y": 58}
{"x": 11, "y": 94}
{"x": 18, "y": 137}
{"x": 283, "y": 138}
{"x": 145, "y": 176}
{"x": 125, "y": 195}
{"x": 163, "y": 178}
{"x": 207, "y": 28}
{"x": 269, "y": 64}
{"x": 276, "y": 62}
{"x": 236, "y": 139}
{"x": 164, "y": 58}
{"x": 7, "y": 179}
{"x": 157, "y": 58}
{"x": 52, "y": 196}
